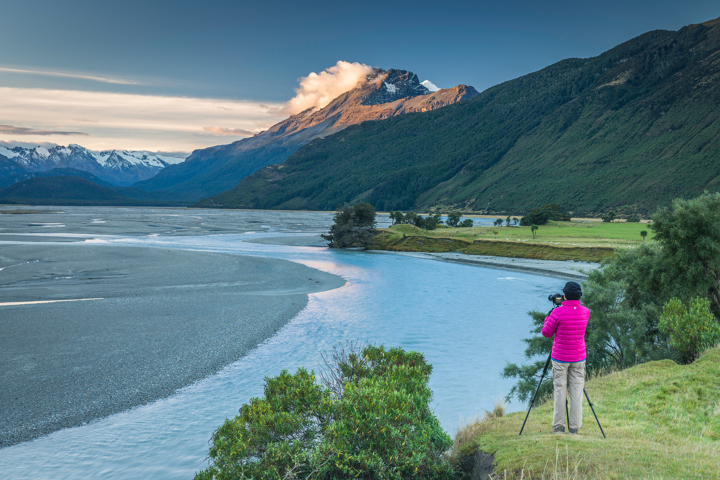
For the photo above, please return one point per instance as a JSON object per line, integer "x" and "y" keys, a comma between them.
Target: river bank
{"x": 91, "y": 330}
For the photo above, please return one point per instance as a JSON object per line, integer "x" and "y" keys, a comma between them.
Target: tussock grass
{"x": 662, "y": 420}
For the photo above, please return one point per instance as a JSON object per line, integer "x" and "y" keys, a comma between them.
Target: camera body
{"x": 556, "y": 298}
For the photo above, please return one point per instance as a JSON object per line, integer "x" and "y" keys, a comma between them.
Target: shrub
{"x": 354, "y": 226}
{"x": 633, "y": 219}
{"x": 467, "y": 223}
{"x": 369, "y": 418}
{"x": 692, "y": 330}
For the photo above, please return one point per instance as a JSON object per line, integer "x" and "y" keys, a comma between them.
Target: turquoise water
{"x": 468, "y": 321}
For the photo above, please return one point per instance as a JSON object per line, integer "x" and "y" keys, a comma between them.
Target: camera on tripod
{"x": 556, "y": 298}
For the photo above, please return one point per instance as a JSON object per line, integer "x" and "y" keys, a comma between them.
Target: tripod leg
{"x": 593, "y": 410}
{"x": 567, "y": 413}
{"x": 536, "y": 392}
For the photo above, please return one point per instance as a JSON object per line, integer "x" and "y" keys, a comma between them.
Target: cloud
{"x": 128, "y": 121}
{"x": 230, "y": 131}
{"x": 13, "y": 130}
{"x": 318, "y": 89}
{"x": 81, "y": 76}
{"x": 16, "y": 143}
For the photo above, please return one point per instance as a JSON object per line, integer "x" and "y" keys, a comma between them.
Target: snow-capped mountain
{"x": 114, "y": 166}
{"x": 382, "y": 94}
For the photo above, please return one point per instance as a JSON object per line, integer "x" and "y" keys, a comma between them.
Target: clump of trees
{"x": 658, "y": 300}
{"x": 499, "y": 222}
{"x": 430, "y": 222}
{"x": 543, "y": 215}
{"x": 354, "y": 226}
{"x": 367, "y": 417}
{"x": 633, "y": 219}
{"x": 611, "y": 215}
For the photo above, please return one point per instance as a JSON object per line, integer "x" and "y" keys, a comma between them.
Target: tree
{"x": 515, "y": 221}
{"x": 354, "y": 226}
{"x": 542, "y": 215}
{"x": 643, "y": 234}
{"x": 609, "y": 217}
{"x": 633, "y": 219}
{"x": 533, "y": 229}
{"x": 396, "y": 217}
{"x": 453, "y": 218}
{"x": 467, "y": 223}
{"x": 689, "y": 234}
{"x": 507, "y": 221}
{"x": 498, "y": 222}
{"x": 627, "y": 296}
{"x": 369, "y": 417}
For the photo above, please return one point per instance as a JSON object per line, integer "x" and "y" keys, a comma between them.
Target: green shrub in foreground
{"x": 369, "y": 418}
{"x": 691, "y": 330}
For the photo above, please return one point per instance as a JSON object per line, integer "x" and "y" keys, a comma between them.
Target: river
{"x": 469, "y": 322}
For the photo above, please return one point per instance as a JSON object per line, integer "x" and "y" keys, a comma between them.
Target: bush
{"x": 369, "y": 418}
{"x": 467, "y": 223}
{"x": 633, "y": 219}
{"x": 692, "y": 330}
{"x": 354, "y": 226}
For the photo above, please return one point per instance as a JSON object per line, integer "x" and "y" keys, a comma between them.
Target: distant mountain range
{"x": 629, "y": 130}
{"x": 116, "y": 167}
{"x": 383, "y": 94}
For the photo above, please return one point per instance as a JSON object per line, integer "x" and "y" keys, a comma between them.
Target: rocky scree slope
{"x": 383, "y": 94}
{"x": 629, "y": 130}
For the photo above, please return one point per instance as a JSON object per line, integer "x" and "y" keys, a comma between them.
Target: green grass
{"x": 579, "y": 241}
{"x": 662, "y": 420}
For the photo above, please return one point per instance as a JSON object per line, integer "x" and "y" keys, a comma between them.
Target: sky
{"x": 173, "y": 76}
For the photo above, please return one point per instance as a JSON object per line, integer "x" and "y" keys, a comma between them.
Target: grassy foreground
{"x": 579, "y": 241}
{"x": 662, "y": 420}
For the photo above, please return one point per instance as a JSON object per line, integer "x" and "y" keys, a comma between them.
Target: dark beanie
{"x": 572, "y": 291}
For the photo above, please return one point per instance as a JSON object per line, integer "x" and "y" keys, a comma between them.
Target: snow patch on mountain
{"x": 7, "y": 153}
{"x": 430, "y": 86}
{"x": 390, "y": 87}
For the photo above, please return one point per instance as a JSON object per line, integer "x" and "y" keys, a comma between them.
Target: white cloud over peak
{"x": 318, "y": 89}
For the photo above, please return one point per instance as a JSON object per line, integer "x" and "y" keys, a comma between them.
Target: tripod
{"x": 547, "y": 363}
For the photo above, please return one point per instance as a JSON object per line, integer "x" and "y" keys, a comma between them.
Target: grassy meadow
{"x": 662, "y": 420}
{"x": 580, "y": 241}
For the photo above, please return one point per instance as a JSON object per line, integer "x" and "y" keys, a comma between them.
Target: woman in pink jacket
{"x": 568, "y": 322}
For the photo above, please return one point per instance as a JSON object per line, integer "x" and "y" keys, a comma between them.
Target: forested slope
{"x": 629, "y": 129}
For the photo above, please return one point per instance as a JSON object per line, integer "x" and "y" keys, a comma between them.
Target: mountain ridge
{"x": 118, "y": 167}
{"x": 629, "y": 129}
{"x": 382, "y": 95}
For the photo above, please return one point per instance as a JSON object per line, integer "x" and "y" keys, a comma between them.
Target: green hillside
{"x": 661, "y": 420}
{"x": 629, "y": 129}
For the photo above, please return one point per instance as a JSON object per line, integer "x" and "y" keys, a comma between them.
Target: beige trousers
{"x": 576, "y": 373}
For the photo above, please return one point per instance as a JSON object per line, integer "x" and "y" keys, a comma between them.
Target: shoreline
{"x": 152, "y": 321}
{"x": 548, "y": 268}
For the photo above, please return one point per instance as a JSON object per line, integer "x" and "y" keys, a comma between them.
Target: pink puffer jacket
{"x": 567, "y": 322}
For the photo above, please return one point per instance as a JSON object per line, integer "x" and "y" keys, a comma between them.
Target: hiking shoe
{"x": 573, "y": 431}
{"x": 558, "y": 430}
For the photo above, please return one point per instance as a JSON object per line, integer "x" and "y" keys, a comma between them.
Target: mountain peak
{"x": 391, "y": 85}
